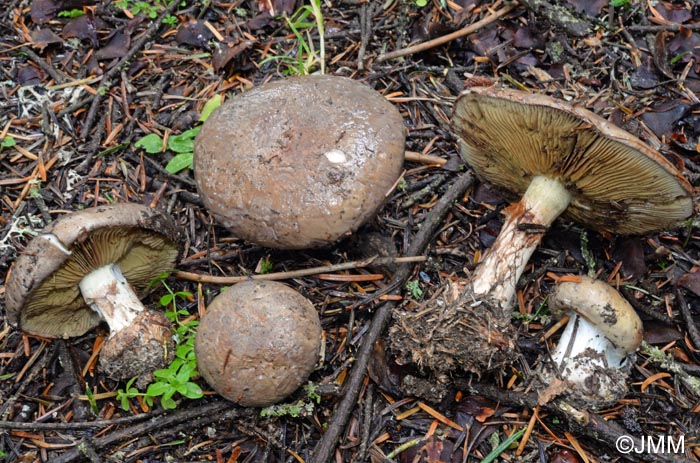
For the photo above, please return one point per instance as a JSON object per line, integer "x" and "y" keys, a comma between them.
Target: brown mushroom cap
{"x": 299, "y": 162}
{"x": 258, "y": 342}
{"x": 42, "y": 293}
{"x": 618, "y": 184}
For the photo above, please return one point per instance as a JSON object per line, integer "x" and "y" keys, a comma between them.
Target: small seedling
{"x": 182, "y": 144}
{"x": 70, "y": 14}
{"x": 7, "y": 142}
{"x": 264, "y": 265}
{"x": 413, "y": 287}
{"x": 150, "y": 9}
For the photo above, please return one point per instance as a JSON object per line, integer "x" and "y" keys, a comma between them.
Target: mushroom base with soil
{"x": 452, "y": 330}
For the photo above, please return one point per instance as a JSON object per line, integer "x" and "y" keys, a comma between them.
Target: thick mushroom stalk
{"x": 527, "y": 221}
{"x": 603, "y": 332}
{"x": 140, "y": 340}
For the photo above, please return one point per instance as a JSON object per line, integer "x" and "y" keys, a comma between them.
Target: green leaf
{"x": 192, "y": 391}
{"x": 167, "y": 402}
{"x": 209, "y": 107}
{"x": 182, "y": 351}
{"x": 151, "y": 143}
{"x": 179, "y": 162}
{"x": 183, "y": 143}
{"x": 74, "y": 13}
{"x": 166, "y": 300}
{"x": 8, "y": 142}
{"x": 158, "y": 388}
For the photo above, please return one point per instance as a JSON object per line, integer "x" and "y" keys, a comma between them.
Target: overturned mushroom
{"x": 92, "y": 266}
{"x": 258, "y": 342}
{"x": 562, "y": 159}
{"x": 300, "y": 162}
{"x": 593, "y": 355}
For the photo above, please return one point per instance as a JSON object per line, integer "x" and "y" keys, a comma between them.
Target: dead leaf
{"x": 195, "y": 33}
{"x": 228, "y": 51}
{"x": 42, "y": 38}
{"x": 84, "y": 28}
{"x": 691, "y": 282}
{"x": 117, "y": 47}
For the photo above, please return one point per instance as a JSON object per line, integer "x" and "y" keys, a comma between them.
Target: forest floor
{"x": 83, "y": 82}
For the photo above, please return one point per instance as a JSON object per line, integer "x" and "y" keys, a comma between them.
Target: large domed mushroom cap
{"x": 300, "y": 162}
{"x": 258, "y": 342}
{"x": 617, "y": 183}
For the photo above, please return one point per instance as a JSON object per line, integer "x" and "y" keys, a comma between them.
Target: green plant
{"x": 306, "y": 56}
{"x": 7, "y": 142}
{"x": 91, "y": 399}
{"x": 177, "y": 377}
{"x": 264, "y": 265}
{"x": 74, "y": 13}
{"x": 621, "y": 3}
{"x": 302, "y": 407}
{"x": 182, "y": 144}
{"x": 413, "y": 287}
{"x": 150, "y": 9}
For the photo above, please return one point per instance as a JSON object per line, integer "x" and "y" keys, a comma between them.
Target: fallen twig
{"x": 198, "y": 277}
{"x": 470, "y": 29}
{"x": 325, "y": 447}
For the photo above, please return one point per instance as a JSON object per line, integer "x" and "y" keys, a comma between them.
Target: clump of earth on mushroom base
{"x": 93, "y": 266}
{"x": 561, "y": 159}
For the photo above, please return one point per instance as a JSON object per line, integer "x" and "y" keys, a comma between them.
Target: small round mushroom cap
{"x": 258, "y": 342}
{"x": 618, "y": 184}
{"x": 604, "y": 307}
{"x": 42, "y": 293}
{"x": 301, "y": 162}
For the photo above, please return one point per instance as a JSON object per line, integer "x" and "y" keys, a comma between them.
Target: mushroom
{"x": 565, "y": 159}
{"x": 300, "y": 162}
{"x": 562, "y": 159}
{"x": 593, "y": 355}
{"x": 92, "y": 266}
{"x": 258, "y": 342}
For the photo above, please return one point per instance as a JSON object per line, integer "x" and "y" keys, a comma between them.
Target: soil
{"x": 84, "y": 82}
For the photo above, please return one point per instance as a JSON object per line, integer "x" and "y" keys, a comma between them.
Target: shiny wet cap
{"x": 300, "y": 162}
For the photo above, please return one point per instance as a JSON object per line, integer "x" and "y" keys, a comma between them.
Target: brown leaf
{"x": 691, "y": 282}
{"x": 42, "y": 38}
{"x": 228, "y": 51}
{"x": 631, "y": 252}
{"x": 477, "y": 406}
{"x": 195, "y": 33}
{"x": 84, "y": 28}
{"x": 117, "y": 47}
{"x": 565, "y": 456}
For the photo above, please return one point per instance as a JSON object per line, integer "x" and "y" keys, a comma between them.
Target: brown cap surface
{"x": 258, "y": 342}
{"x": 42, "y": 293}
{"x": 299, "y": 162}
{"x": 618, "y": 184}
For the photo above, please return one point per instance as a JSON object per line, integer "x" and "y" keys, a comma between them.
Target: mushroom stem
{"x": 581, "y": 335}
{"x": 108, "y": 293}
{"x": 527, "y": 221}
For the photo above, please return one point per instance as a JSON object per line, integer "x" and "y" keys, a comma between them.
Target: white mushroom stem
{"x": 496, "y": 276}
{"x": 108, "y": 293}
{"x": 581, "y": 337}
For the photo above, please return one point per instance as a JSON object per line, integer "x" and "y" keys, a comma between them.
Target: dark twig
{"x": 150, "y": 426}
{"x": 326, "y": 445}
{"x": 688, "y": 318}
{"x": 116, "y": 70}
{"x": 57, "y": 76}
{"x": 671, "y": 27}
